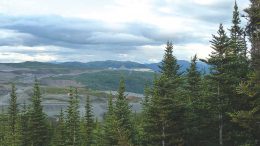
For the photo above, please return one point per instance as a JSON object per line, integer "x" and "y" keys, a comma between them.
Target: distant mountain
{"x": 109, "y": 64}
{"x": 98, "y": 75}
{"x": 203, "y": 67}
{"x": 105, "y": 64}
{"x": 33, "y": 65}
{"x": 132, "y": 65}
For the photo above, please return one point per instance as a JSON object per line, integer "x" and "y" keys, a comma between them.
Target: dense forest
{"x": 188, "y": 108}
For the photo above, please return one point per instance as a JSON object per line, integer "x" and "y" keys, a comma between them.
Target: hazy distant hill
{"x": 203, "y": 67}
{"x": 104, "y": 65}
{"x": 131, "y": 65}
{"x": 98, "y": 75}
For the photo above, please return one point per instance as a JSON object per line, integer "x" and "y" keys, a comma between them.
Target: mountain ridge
{"x": 108, "y": 64}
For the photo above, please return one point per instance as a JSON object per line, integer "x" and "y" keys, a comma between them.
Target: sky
{"x": 96, "y": 30}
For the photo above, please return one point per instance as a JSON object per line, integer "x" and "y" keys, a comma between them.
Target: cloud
{"x": 54, "y": 30}
{"x": 155, "y": 53}
{"x": 83, "y": 30}
{"x": 19, "y": 57}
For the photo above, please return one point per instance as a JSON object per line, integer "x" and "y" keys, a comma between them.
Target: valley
{"x": 94, "y": 79}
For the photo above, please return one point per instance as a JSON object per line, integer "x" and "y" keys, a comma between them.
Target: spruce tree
{"x": 193, "y": 80}
{"x": 110, "y": 123}
{"x": 38, "y": 122}
{"x": 73, "y": 120}
{"x": 247, "y": 116}
{"x": 97, "y": 134}
{"x": 2, "y": 129}
{"x": 13, "y": 118}
{"x": 253, "y": 30}
{"x": 236, "y": 71}
{"x": 169, "y": 66}
{"x": 141, "y": 123}
{"x": 220, "y": 60}
{"x": 4, "y": 139}
{"x": 60, "y": 132}
{"x": 25, "y": 127}
{"x": 193, "y": 115}
{"x": 122, "y": 110}
{"x": 237, "y": 34}
{"x": 239, "y": 65}
{"x": 88, "y": 123}
{"x": 166, "y": 109}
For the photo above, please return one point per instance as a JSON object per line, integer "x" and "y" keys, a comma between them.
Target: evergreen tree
{"x": 166, "y": 109}
{"x": 221, "y": 108}
{"x": 141, "y": 121}
{"x": 25, "y": 127}
{"x": 97, "y": 134}
{"x": 248, "y": 115}
{"x": 13, "y": 118}
{"x": 238, "y": 66}
{"x": 73, "y": 120}
{"x": 220, "y": 60}
{"x": 169, "y": 66}
{"x": 4, "y": 140}
{"x": 146, "y": 99}
{"x": 122, "y": 111}
{"x": 38, "y": 124}
{"x": 236, "y": 70}
{"x": 248, "y": 118}
{"x": 89, "y": 123}
{"x": 208, "y": 112}
{"x": 110, "y": 123}
{"x": 194, "y": 107}
{"x": 193, "y": 80}
{"x": 253, "y": 30}
{"x": 60, "y": 133}
{"x": 237, "y": 34}
{"x": 2, "y": 129}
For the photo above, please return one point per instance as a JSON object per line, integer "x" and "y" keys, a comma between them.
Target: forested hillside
{"x": 98, "y": 75}
{"x": 191, "y": 108}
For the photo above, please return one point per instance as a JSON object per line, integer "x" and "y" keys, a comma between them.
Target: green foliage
{"x": 108, "y": 80}
{"x": 88, "y": 123}
{"x": 110, "y": 123}
{"x": 73, "y": 120}
{"x": 60, "y": 131}
{"x": 3, "y": 129}
{"x": 98, "y": 134}
{"x": 237, "y": 34}
{"x": 193, "y": 115}
{"x": 193, "y": 80}
{"x": 13, "y": 118}
{"x": 220, "y": 60}
{"x": 253, "y": 26}
{"x": 220, "y": 108}
{"x": 239, "y": 64}
{"x": 37, "y": 120}
{"x": 249, "y": 117}
{"x": 25, "y": 127}
{"x": 124, "y": 127}
{"x": 169, "y": 66}
{"x": 165, "y": 110}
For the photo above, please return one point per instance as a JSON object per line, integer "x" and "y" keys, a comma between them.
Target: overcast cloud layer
{"x": 87, "y": 30}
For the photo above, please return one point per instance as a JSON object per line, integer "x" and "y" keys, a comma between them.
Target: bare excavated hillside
{"x": 55, "y": 82}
